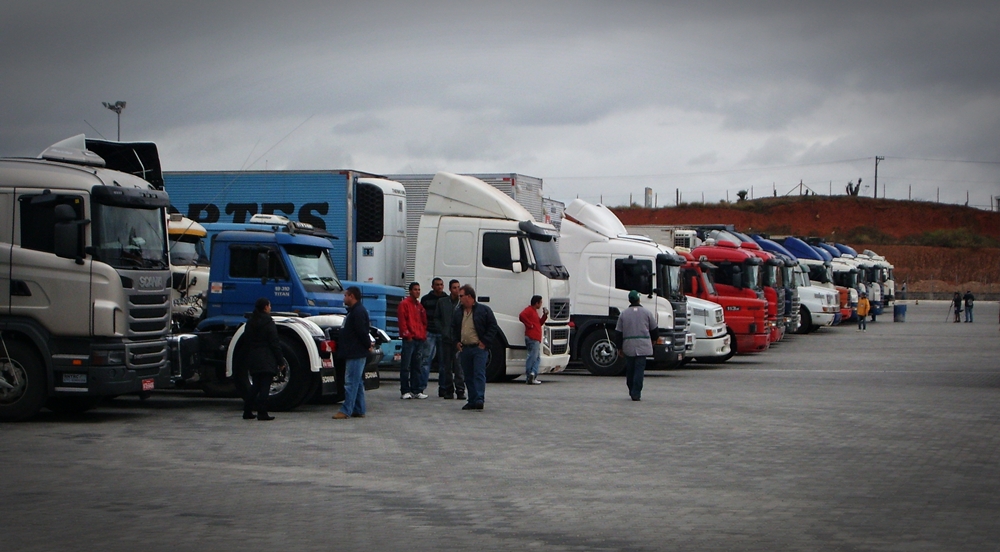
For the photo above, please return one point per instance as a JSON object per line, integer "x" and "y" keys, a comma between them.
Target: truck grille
{"x": 148, "y": 315}
{"x": 558, "y": 310}
{"x": 561, "y": 335}
{"x": 146, "y": 358}
{"x": 392, "y": 315}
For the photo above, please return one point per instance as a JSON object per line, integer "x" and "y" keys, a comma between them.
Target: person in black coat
{"x": 263, "y": 358}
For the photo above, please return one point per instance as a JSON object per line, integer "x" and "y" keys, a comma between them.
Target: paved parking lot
{"x": 884, "y": 440}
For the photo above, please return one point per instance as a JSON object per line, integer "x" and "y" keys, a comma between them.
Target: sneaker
{"x": 527, "y": 379}
{"x": 407, "y": 396}
{"x": 460, "y": 396}
{"x": 448, "y": 396}
{"x": 535, "y": 381}
{"x": 420, "y": 396}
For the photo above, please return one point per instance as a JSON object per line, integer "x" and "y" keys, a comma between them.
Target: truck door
{"x": 505, "y": 284}
{"x": 248, "y": 279}
{"x": 53, "y": 290}
{"x": 6, "y": 242}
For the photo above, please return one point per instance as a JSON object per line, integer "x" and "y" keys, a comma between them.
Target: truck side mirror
{"x": 67, "y": 233}
{"x": 262, "y": 266}
{"x": 515, "y": 254}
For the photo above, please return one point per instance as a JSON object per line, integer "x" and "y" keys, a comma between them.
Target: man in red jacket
{"x": 413, "y": 332}
{"x": 533, "y": 337}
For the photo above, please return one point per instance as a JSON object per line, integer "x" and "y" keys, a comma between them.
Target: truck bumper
{"x": 752, "y": 343}
{"x": 549, "y": 364}
{"x": 666, "y": 357}
{"x": 711, "y": 347}
{"x": 825, "y": 318}
{"x": 113, "y": 369}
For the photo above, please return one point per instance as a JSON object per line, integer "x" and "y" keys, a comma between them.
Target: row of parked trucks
{"x": 112, "y": 286}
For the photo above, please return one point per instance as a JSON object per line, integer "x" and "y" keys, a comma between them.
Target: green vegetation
{"x": 955, "y": 237}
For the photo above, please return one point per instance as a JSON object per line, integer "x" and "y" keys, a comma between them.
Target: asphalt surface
{"x": 839, "y": 440}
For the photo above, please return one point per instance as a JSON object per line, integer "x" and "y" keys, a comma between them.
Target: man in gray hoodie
{"x": 637, "y": 327}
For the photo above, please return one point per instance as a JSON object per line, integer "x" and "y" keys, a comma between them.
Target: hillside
{"x": 934, "y": 247}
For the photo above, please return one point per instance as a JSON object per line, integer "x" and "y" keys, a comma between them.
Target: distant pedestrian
{"x": 969, "y": 300}
{"x": 263, "y": 358}
{"x": 533, "y": 337}
{"x": 957, "y": 303}
{"x": 864, "y": 307}
{"x": 637, "y": 327}
{"x": 451, "y": 381}
{"x": 476, "y": 328}
{"x": 433, "y": 343}
{"x": 353, "y": 345}
{"x": 902, "y": 292}
{"x": 413, "y": 331}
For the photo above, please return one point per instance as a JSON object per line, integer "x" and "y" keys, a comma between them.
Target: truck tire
{"x": 291, "y": 392}
{"x": 600, "y": 355}
{"x": 496, "y": 364}
{"x": 23, "y": 370}
{"x": 805, "y": 321}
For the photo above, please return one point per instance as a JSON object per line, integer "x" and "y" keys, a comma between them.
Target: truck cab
{"x": 820, "y": 303}
{"x": 607, "y": 263}
{"x": 474, "y": 233}
{"x": 84, "y": 302}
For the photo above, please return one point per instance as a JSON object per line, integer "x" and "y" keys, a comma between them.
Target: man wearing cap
{"x": 637, "y": 327}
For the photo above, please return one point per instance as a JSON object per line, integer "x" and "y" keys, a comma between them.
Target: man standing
{"x": 451, "y": 381}
{"x": 476, "y": 328}
{"x": 413, "y": 332}
{"x": 969, "y": 301}
{"x": 533, "y": 337}
{"x": 433, "y": 343}
{"x": 637, "y": 327}
{"x": 353, "y": 345}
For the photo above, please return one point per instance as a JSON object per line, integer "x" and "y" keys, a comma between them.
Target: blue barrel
{"x": 899, "y": 313}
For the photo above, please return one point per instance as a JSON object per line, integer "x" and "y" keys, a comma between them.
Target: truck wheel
{"x": 805, "y": 321}
{"x": 286, "y": 394}
{"x": 23, "y": 371}
{"x": 70, "y": 405}
{"x": 496, "y": 364}
{"x": 601, "y": 356}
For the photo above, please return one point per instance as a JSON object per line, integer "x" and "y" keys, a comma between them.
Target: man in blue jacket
{"x": 353, "y": 345}
{"x": 475, "y": 330}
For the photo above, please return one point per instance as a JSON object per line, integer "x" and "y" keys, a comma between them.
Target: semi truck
{"x": 472, "y": 232}
{"x": 290, "y": 265}
{"x": 84, "y": 301}
{"x": 606, "y": 263}
{"x": 817, "y": 306}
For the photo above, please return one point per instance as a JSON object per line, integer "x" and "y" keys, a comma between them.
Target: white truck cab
{"x": 472, "y": 232}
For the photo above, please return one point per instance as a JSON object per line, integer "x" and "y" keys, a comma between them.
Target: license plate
{"x": 74, "y": 378}
{"x": 148, "y": 384}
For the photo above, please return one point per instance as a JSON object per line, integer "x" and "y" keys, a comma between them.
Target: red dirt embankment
{"x": 823, "y": 216}
{"x": 855, "y": 221}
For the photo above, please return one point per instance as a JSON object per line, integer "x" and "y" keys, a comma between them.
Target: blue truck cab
{"x": 291, "y": 264}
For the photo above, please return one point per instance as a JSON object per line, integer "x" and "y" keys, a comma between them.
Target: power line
{"x": 946, "y": 160}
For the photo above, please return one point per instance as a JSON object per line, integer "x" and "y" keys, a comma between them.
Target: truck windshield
{"x": 547, "y": 259}
{"x": 820, "y": 273}
{"x": 668, "y": 281}
{"x": 788, "y": 275}
{"x": 188, "y": 251}
{"x": 751, "y": 276}
{"x": 314, "y": 268}
{"x": 770, "y": 274}
{"x": 126, "y": 237}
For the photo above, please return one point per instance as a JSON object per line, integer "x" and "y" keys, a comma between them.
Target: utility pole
{"x": 117, "y": 107}
{"x": 877, "y": 159}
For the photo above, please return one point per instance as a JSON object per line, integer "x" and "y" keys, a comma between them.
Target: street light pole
{"x": 877, "y": 159}
{"x": 117, "y": 107}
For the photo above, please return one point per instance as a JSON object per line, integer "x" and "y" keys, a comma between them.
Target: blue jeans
{"x": 635, "y": 369}
{"x": 862, "y": 322}
{"x": 409, "y": 367}
{"x": 429, "y": 352}
{"x": 473, "y": 360}
{"x": 534, "y": 356}
{"x": 968, "y": 314}
{"x": 354, "y": 387}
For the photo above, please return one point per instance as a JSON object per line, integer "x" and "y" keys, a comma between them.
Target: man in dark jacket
{"x": 433, "y": 344}
{"x": 353, "y": 345}
{"x": 263, "y": 358}
{"x": 451, "y": 381}
{"x": 476, "y": 329}
{"x": 970, "y": 301}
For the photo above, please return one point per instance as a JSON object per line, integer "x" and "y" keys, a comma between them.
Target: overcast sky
{"x": 600, "y": 99}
